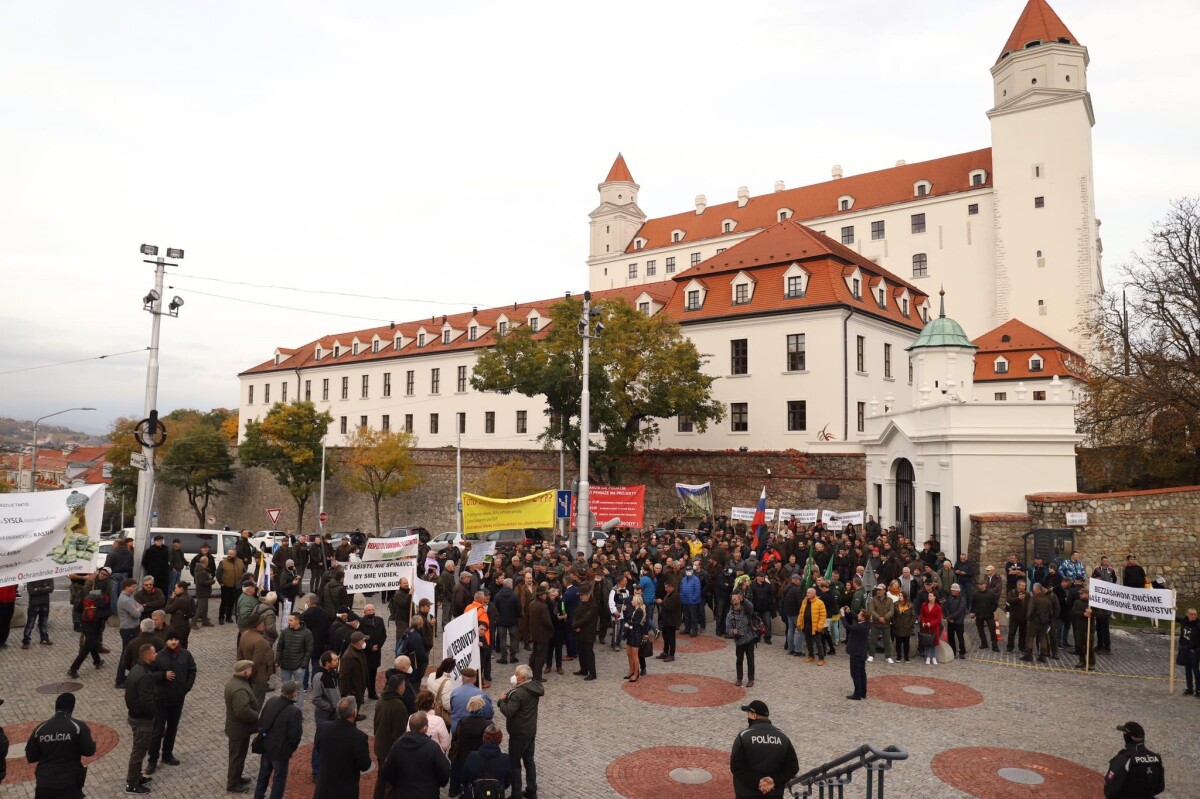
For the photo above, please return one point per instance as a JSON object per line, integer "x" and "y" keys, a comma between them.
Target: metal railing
{"x": 830, "y": 780}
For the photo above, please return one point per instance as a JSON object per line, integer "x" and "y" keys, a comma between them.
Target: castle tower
{"x": 943, "y": 360}
{"x": 616, "y": 219}
{"x": 1047, "y": 249}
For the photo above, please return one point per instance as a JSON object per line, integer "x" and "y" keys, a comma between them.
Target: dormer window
{"x": 398, "y": 343}
{"x": 741, "y": 294}
{"x": 784, "y": 214}
{"x": 472, "y": 333}
{"x": 1001, "y": 365}
{"x": 977, "y": 177}
{"x": 694, "y": 294}
{"x": 375, "y": 346}
{"x": 904, "y": 306}
{"x": 277, "y": 360}
{"x": 795, "y": 287}
{"x": 420, "y": 339}
{"x": 445, "y": 336}
{"x": 845, "y": 202}
{"x": 337, "y": 351}
{"x": 354, "y": 348}
{"x": 319, "y": 353}
{"x": 639, "y": 243}
{"x": 1005, "y": 338}
{"x": 883, "y": 298}
{"x": 693, "y": 300}
{"x": 677, "y": 235}
{"x": 533, "y": 324}
{"x": 502, "y": 328}
{"x": 922, "y": 188}
{"x": 1036, "y": 364}
{"x": 728, "y": 225}
{"x": 856, "y": 288}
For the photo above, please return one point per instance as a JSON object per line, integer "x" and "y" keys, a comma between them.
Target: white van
{"x": 219, "y": 542}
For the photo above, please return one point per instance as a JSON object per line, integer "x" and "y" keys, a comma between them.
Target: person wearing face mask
{"x": 520, "y": 708}
{"x": 763, "y": 758}
{"x": 178, "y": 670}
{"x": 352, "y": 675}
{"x": 1135, "y": 772}
{"x": 376, "y": 631}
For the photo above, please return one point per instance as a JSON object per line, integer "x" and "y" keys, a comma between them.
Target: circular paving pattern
{"x": 671, "y": 772}
{"x": 56, "y": 688}
{"x": 684, "y": 690}
{"x": 300, "y": 783}
{"x": 923, "y": 692}
{"x": 686, "y": 645}
{"x": 995, "y": 773}
{"x": 21, "y": 770}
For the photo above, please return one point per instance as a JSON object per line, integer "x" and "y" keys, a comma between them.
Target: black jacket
{"x": 1135, "y": 773}
{"x": 317, "y": 622}
{"x": 416, "y": 768}
{"x": 173, "y": 692}
{"x": 282, "y": 722}
{"x": 856, "y": 635}
{"x": 58, "y": 746}
{"x": 761, "y": 750}
{"x": 505, "y": 609}
{"x": 343, "y": 755}
{"x": 156, "y": 561}
{"x": 141, "y": 693}
{"x": 120, "y": 561}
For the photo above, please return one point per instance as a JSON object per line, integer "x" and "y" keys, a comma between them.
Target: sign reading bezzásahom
{"x": 1153, "y": 603}
{"x": 49, "y": 533}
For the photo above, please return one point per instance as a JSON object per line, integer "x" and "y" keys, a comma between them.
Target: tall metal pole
{"x": 583, "y": 525}
{"x": 145, "y": 493}
{"x": 562, "y": 475}
{"x": 458, "y": 479}
{"x": 321, "y": 500}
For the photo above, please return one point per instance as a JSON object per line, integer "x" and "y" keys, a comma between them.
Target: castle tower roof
{"x": 1037, "y": 25}
{"x": 619, "y": 171}
{"x": 942, "y": 331}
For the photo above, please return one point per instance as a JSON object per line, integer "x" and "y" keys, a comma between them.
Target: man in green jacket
{"x": 241, "y": 722}
{"x": 293, "y": 653}
{"x": 391, "y": 720}
{"x": 141, "y": 700}
{"x": 520, "y": 708}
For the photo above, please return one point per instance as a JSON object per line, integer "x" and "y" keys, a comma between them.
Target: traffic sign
{"x": 563, "y": 506}
{"x": 153, "y": 514}
{"x": 323, "y": 517}
{"x": 273, "y": 514}
{"x": 138, "y": 461}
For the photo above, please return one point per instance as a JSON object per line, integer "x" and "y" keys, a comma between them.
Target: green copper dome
{"x": 942, "y": 332}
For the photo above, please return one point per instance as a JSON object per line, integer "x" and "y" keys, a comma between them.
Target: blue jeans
{"x": 691, "y": 619}
{"x": 266, "y": 767}
{"x": 835, "y": 631}
{"x": 316, "y": 761}
{"x": 650, "y": 623}
{"x": 790, "y": 638}
{"x": 41, "y": 615}
{"x": 1064, "y": 630}
{"x": 768, "y": 617}
{"x": 171, "y": 580}
{"x": 301, "y": 678}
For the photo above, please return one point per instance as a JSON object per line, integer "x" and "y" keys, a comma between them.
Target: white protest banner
{"x": 460, "y": 641}
{"x": 802, "y": 515}
{"x": 49, "y": 533}
{"x": 834, "y": 524}
{"x": 747, "y": 514}
{"x": 481, "y": 552}
{"x": 423, "y": 589}
{"x": 854, "y": 517}
{"x": 391, "y": 548}
{"x": 1153, "y": 603}
{"x": 369, "y": 576}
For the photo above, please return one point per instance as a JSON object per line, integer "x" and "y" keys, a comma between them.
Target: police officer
{"x": 58, "y": 746}
{"x": 763, "y": 758}
{"x": 1136, "y": 772}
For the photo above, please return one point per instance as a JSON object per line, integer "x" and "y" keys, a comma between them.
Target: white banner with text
{"x": 49, "y": 533}
{"x": 369, "y": 576}
{"x": 1153, "y": 603}
{"x": 460, "y": 641}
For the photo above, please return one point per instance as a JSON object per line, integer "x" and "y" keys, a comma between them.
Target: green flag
{"x": 829, "y": 569}
{"x": 808, "y": 567}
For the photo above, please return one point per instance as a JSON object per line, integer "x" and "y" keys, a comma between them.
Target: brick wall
{"x": 995, "y": 536}
{"x": 737, "y": 479}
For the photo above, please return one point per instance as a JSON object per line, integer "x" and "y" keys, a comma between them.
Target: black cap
{"x": 65, "y": 702}
{"x": 1133, "y": 730}
{"x": 758, "y": 708}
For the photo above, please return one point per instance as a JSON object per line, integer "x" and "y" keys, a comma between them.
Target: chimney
{"x": 475, "y": 311}
{"x": 779, "y": 185}
{"x": 701, "y": 204}
{"x": 743, "y": 196}
{"x": 901, "y": 162}
{"x": 837, "y": 172}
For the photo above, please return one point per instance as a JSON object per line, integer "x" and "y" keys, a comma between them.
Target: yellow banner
{"x": 484, "y": 514}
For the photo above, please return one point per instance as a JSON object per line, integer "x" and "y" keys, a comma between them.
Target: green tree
{"x": 197, "y": 464}
{"x": 510, "y": 480}
{"x": 287, "y": 443}
{"x": 122, "y": 491}
{"x": 379, "y": 463}
{"x": 642, "y": 369}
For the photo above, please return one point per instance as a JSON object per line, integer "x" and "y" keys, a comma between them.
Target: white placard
{"x": 49, "y": 533}
{"x": 481, "y": 552}
{"x": 834, "y": 524}
{"x": 803, "y": 515}
{"x": 854, "y": 517}
{"x": 423, "y": 589}
{"x": 1077, "y": 519}
{"x": 1153, "y": 603}
{"x": 391, "y": 548}
{"x": 460, "y": 640}
{"x": 368, "y": 576}
{"x": 747, "y": 514}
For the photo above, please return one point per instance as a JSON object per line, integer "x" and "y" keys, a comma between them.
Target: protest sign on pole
{"x": 391, "y": 548}
{"x": 482, "y": 552}
{"x": 424, "y": 589}
{"x": 49, "y": 533}
{"x": 804, "y": 516}
{"x": 618, "y": 502}
{"x": 1152, "y": 603}
{"x": 368, "y": 576}
{"x": 854, "y": 517}
{"x": 460, "y": 641}
{"x": 485, "y": 514}
{"x": 747, "y": 514}
{"x": 694, "y": 500}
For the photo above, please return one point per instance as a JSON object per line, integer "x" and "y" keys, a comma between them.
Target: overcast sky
{"x": 444, "y": 155}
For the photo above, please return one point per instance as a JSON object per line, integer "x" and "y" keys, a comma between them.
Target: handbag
{"x": 647, "y": 647}
{"x": 259, "y": 744}
{"x": 926, "y": 640}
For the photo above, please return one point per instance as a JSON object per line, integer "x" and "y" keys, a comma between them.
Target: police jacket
{"x": 761, "y": 750}
{"x": 58, "y": 747}
{"x": 1135, "y": 773}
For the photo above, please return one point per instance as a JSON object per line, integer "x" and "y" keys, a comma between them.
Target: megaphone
{"x": 611, "y": 524}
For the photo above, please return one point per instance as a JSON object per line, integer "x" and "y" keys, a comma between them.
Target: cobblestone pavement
{"x": 588, "y": 731}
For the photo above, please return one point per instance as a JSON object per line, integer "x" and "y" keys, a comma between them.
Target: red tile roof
{"x": 619, "y": 171}
{"x": 769, "y": 254}
{"x": 305, "y": 356}
{"x": 1017, "y": 342}
{"x": 88, "y": 454}
{"x": 1038, "y": 23}
{"x": 870, "y": 190}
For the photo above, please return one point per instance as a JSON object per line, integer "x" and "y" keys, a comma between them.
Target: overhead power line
{"x": 77, "y": 360}
{"x": 326, "y": 292}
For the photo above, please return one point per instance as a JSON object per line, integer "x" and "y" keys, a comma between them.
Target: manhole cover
{"x": 919, "y": 690}
{"x": 1021, "y": 776}
{"x": 690, "y": 776}
{"x": 56, "y": 688}
{"x": 683, "y": 689}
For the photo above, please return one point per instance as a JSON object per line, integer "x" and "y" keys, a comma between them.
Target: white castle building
{"x": 806, "y": 299}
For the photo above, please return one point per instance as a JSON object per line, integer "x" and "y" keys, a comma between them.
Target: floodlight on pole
{"x": 149, "y": 249}
{"x": 36, "y": 423}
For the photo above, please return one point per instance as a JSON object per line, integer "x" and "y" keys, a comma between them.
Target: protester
{"x": 635, "y": 632}
{"x": 520, "y": 708}
{"x": 466, "y": 738}
{"x": 141, "y": 697}
{"x": 281, "y": 725}
{"x": 253, "y": 646}
{"x": 931, "y": 628}
{"x": 587, "y": 617}
{"x": 325, "y": 697}
{"x": 462, "y": 696}
{"x": 858, "y": 629}
{"x": 487, "y": 771}
{"x": 1189, "y": 651}
{"x": 416, "y": 767}
{"x": 739, "y": 623}
{"x": 343, "y": 754}
{"x": 38, "y": 611}
{"x": 390, "y": 720}
{"x": 763, "y": 758}
{"x": 58, "y": 747}
{"x": 811, "y": 623}
{"x": 293, "y": 653}
{"x": 241, "y": 722}
{"x": 177, "y": 669}
{"x": 376, "y": 632}
{"x": 91, "y": 625}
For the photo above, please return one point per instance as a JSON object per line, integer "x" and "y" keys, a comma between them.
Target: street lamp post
{"x": 587, "y": 331}
{"x": 152, "y": 303}
{"x": 36, "y": 423}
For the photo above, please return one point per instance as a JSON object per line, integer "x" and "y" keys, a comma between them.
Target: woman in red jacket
{"x": 931, "y": 624}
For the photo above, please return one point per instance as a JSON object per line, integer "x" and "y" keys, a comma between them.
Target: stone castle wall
{"x": 737, "y": 479}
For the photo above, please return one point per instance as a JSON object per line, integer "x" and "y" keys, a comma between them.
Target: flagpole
{"x": 1171, "y": 679}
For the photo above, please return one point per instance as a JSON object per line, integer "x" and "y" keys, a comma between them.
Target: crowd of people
{"x": 867, "y": 591}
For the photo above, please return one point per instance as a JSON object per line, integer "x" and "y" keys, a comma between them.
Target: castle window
{"x": 533, "y": 324}
{"x": 375, "y": 346}
{"x": 973, "y": 209}
{"x": 856, "y": 288}
{"x": 671, "y": 265}
{"x": 1039, "y": 202}
{"x": 1005, "y": 338}
{"x": 1000, "y": 396}
{"x": 651, "y": 268}
{"x": 472, "y": 333}
{"x": 920, "y": 265}
{"x": 677, "y": 235}
{"x": 741, "y": 294}
{"x": 337, "y": 351}
{"x": 848, "y": 234}
{"x": 727, "y": 226}
{"x": 877, "y": 230}
{"x": 445, "y": 336}
{"x": 904, "y": 306}
{"x": 695, "y": 258}
{"x": 502, "y": 328}
{"x": 354, "y": 349}
{"x": 978, "y": 176}
{"x": 784, "y": 214}
{"x": 918, "y": 223}
{"x": 1001, "y": 366}
{"x": 420, "y": 339}
{"x": 1036, "y": 364}
{"x": 1039, "y": 396}
{"x": 693, "y": 300}
{"x": 795, "y": 286}
{"x": 922, "y": 188}
{"x": 632, "y": 271}
{"x": 644, "y": 307}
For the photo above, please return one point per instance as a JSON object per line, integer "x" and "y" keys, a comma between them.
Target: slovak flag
{"x": 759, "y": 522}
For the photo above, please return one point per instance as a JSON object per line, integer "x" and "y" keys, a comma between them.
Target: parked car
{"x": 443, "y": 540}
{"x": 404, "y": 532}
{"x": 507, "y": 540}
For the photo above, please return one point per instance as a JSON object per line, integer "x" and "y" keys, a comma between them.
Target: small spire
{"x": 1037, "y": 23}
{"x": 942, "y": 303}
{"x": 619, "y": 171}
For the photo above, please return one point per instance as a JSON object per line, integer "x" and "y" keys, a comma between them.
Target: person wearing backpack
{"x": 91, "y": 623}
{"x": 487, "y": 773}
{"x": 39, "y": 611}
{"x": 416, "y": 767}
